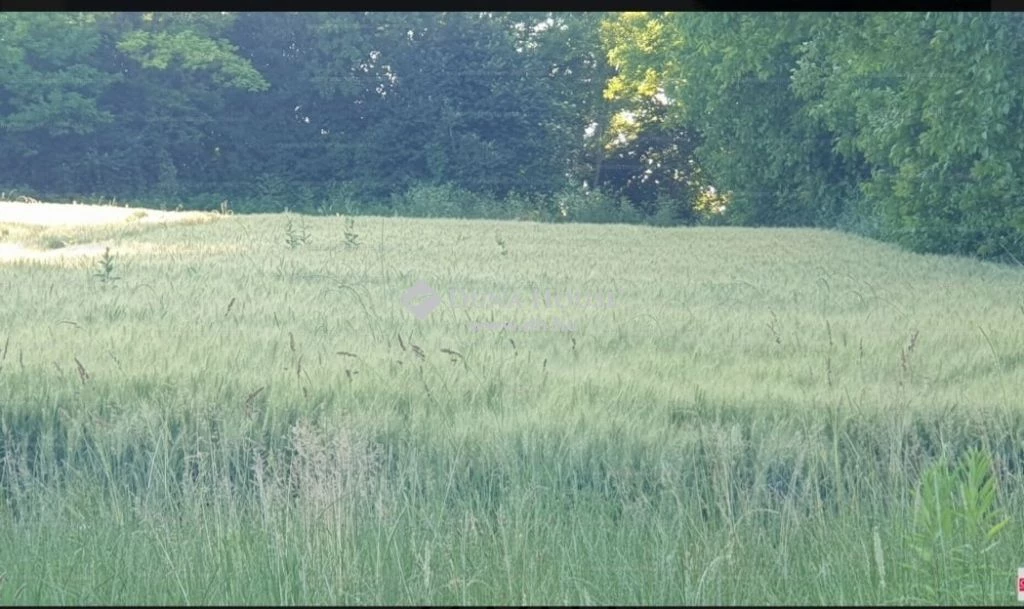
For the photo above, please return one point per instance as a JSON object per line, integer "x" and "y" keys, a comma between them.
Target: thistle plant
{"x": 105, "y": 271}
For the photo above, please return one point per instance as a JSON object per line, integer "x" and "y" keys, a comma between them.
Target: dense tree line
{"x": 902, "y": 126}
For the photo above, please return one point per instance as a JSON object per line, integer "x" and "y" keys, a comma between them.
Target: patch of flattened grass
{"x": 53, "y": 242}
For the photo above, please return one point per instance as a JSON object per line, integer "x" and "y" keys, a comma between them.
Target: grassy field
{"x": 242, "y": 410}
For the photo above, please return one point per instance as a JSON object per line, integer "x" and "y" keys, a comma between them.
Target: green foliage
{"x": 756, "y": 141}
{"x": 350, "y": 234}
{"x": 270, "y": 192}
{"x": 670, "y": 211}
{"x": 105, "y": 268}
{"x": 51, "y": 88}
{"x": 54, "y": 242}
{"x": 193, "y": 52}
{"x": 652, "y": 160}
{"x": 648, "y": 153}
{"x": 595, "y": 207}
{"x": 430, "y": 201}
{"x": 898, "y": 126}
{"x": 957, "y": 519}
{"x": 296, "y": 235}
{"x": 517, "y": 206}
{"x": 344, "y": 197}
{"x": 502, "y": 245}
{"x": 940, "y": 138}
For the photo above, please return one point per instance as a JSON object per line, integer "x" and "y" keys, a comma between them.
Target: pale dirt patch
{"x": 62, "y": 214}
{"x": 15, "y": 251}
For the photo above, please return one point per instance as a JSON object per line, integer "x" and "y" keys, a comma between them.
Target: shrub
{"x": 594, "y": 206}
{"x": 436, "y": 201}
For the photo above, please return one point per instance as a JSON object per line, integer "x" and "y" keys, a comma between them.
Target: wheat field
{"x": 245, "y": 409}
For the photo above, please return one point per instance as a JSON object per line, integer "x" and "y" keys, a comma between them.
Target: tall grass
{"x": 764, "y": 416}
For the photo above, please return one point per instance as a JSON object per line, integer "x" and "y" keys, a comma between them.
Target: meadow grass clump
{"x": 799, "y": 422}
{"x": 350, "y": 234}
{"x": 295, "y": 236}
{"x": 105, "y": 268}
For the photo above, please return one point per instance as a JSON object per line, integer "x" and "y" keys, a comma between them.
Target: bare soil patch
{"x": 63, "y": 214}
